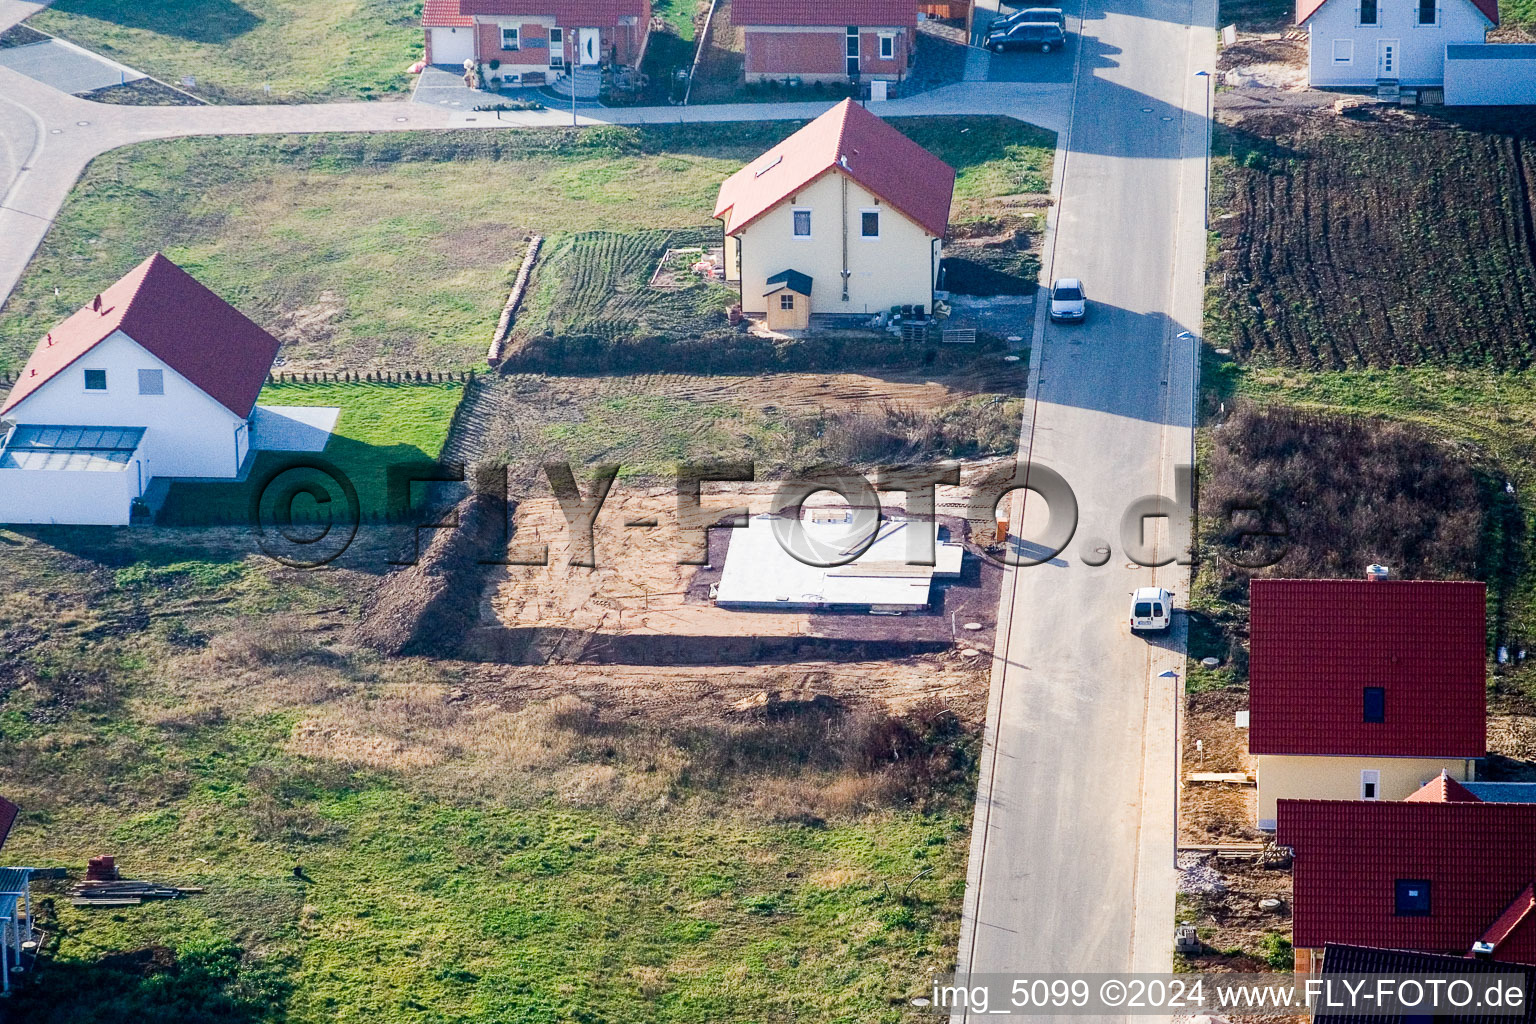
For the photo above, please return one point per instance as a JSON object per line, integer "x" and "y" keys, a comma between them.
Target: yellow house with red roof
{"x": 849, "y": 208}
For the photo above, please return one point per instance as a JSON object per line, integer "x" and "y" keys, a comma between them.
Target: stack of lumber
{"x": 124, "y": 893}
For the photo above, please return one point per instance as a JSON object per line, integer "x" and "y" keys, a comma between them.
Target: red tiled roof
{"x": 8, "y": 812}
{"x": 862, "y": 13}
{"x": 1306, "y": 8}
{"x": 877, "y": 156}
{"x": 593, "y": 13}
{"x": 444, "y": 14}
{"x": 186, "y": 326}
{"x": 1350, "y": 854}
{"x": 1314, "y": 645}
{"x": 1442, "y": 789}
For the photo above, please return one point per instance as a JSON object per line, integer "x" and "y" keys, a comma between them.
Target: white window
{"x": 1343, "y": 51}
{"x": 1370, "y": 784}
{"x": 557, "y": 47}
{"x": 1368, "y": 12}
{"x": 151, "y": 382}
{"x": 869, "y": 223}
{"x": 802, "y": 219}
{"x": 95, "y": 380}
{"x": 509, "y": 36}
{"x": 887, "y": 46}
{"x": 1429, "y": 12}
{"x": 786, "y": 301}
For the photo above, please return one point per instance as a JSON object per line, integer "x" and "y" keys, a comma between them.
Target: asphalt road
{"x": 1072, "y": 853}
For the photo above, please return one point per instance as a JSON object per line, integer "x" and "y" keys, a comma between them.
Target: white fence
{"x": 1497, "y": 74}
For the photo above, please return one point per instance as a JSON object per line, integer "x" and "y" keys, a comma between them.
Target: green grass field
{"x": 376, "y": 848}
{"x": 234, "y": 49}
{"x": 1519, "y": 15}
{"x": 397, "y": 252}
{"x": 379, "y": 426}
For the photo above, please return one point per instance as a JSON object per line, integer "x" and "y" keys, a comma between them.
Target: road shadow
{"x": 198, "y": 21}
{"x": 1119, "y": 362}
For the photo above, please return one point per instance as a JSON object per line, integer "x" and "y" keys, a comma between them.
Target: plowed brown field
{"x": 1375, "y": 238}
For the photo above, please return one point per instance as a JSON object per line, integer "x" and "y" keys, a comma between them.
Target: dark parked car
{"x": 1026, "y": 35}
{"x": 1043, "y": 15}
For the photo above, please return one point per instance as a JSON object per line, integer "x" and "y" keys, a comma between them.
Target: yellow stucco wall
{"x": 730, "y": 255}
{"x": 1288, "y": 777}
{"x": 894, "y": 269}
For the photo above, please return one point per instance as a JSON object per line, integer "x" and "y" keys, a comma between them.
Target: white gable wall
{"x": 1335, "y": 30}
{"x": 188, "y": 434}
{"x": 895, "y": 269}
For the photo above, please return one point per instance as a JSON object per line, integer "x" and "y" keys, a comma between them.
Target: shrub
{"x": 1340, "y": 493}
{"x": 1278, "y": 953}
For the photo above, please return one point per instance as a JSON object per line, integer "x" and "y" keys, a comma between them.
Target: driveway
{"x": 66, "y": 67}
{"x": 1023, "y": 66}
{"x": 1073, "y": 842}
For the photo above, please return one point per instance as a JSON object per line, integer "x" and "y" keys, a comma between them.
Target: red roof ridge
{"x": 1507, "y": 922}
{"x": 1442, "y": 789}
{"x": 912, "y": 180}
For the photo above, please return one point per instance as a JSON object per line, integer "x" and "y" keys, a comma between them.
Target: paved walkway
{"x": 14, "y": 12}
{"x": 48, "y": 137}
{"x": 67, "y": 67}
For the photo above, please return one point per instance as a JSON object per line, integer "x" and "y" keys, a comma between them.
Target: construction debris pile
{"x": 103, "y": 888}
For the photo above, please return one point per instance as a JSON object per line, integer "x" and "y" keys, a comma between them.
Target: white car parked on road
{"x": 1151, "y": 610}
{"x": 1069, "y": 303}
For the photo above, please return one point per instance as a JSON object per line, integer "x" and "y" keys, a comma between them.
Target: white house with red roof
{"x": 156, "y": 377}
{"x": 855, "y": 209}
{"x": 830, "y": 41}
{"x": 1441, "y": 872}
{"x": 547, "y": 36}
{"x": 1364, "y": 689}
{"x": 1372, "y": 42}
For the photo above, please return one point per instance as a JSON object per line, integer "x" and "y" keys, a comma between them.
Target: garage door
{"x": 1495, "y": 74}
{"x": 453, "y": 46}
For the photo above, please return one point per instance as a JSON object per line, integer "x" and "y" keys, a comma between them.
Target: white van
{"x": 1151, "y": 610}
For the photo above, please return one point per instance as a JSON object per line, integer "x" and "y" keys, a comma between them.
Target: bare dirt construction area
{"x": 1268, "y": 61}
{"x": 644, "y": 582}
{"x": 1430, "y": 264}
{"x": 1223, "y": 891}
{"x": 1212, "y": 813}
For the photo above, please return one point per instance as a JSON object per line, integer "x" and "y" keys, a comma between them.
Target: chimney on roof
{"x": 1376, "y": 573}
{"x": 50, "y": 338}
{"x": 1481, "y": 951}
{"x": 96, "y": 304}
